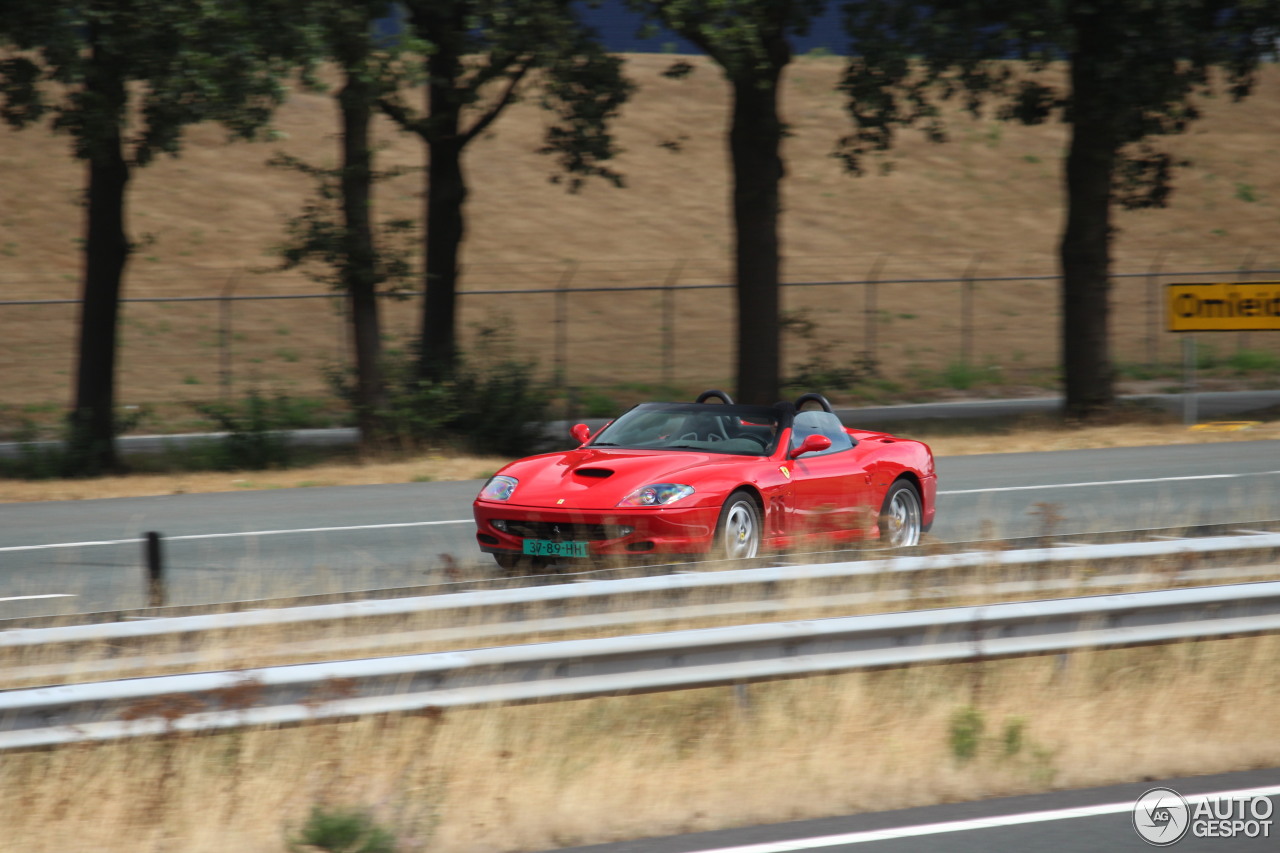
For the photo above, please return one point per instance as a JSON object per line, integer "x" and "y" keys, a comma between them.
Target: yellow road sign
{"x": 1225, "y": 307}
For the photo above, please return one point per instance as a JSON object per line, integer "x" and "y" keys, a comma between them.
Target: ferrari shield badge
{"x": 559, "y": 502}
{"x": 786, "y": 472}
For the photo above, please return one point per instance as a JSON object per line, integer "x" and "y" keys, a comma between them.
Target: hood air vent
{"x": 599, "y": 473}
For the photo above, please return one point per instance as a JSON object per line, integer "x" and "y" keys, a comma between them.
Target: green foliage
{"x": 912, "y": 58}
{"x": 1253, "y": 361}
{"x": 819, "y": 371}
{"x": 595, "y": 403}
{"x": 493, "y": 402}
{"x": 968, "y": 740}
{"x": 1014, "y": 736}
{"x": 319, "y": 241}
{"x": 40, "y": 457}
{"x": 254, "y": 428}
{"x": 343, "y": 830}
{"x": 1246, "y": 192}
{"x": 581, "y": 85}
{"x": 1206, "y": 356}
{"x": 962, "y": 375}
{"x": 965, "y": 732}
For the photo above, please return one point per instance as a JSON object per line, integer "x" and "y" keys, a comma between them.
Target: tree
{"x": 1119, "y": 73}
{"x": 123, "y": 78}
{"x": 337, "y": 226}
{"x": 482, "y": 54}
{"x": 750, "y": 41}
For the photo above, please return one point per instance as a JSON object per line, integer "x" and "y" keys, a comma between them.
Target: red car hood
{"x": 590, "y": 478}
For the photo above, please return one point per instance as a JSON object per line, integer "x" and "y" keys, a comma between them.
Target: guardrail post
{"x": 155, "y": 569}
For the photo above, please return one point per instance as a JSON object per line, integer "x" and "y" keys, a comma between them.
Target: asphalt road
{"x": 1076, "y": 821}
{"x": 79, "y": 556}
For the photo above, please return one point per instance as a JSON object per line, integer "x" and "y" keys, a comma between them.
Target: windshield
{"x": 704, "y": 427}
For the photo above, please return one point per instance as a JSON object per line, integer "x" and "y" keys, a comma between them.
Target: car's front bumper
{"x": 661, "y": 530}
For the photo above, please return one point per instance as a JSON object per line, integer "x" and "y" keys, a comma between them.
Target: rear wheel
{"x": 900, "y": 517}
{"x": 739, "y": 533}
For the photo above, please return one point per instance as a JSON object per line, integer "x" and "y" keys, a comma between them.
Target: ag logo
{"x": 1161, "y": 816}
{"x": 786, "y": 472}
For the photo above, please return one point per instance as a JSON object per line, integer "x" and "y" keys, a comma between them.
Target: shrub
{"x": 343, "y": 831}
{"x": 255, "y": 437}
{"x": 492, "y": 403}
{"x": 966, "y": 732}
{"x": 1253, "y": 361}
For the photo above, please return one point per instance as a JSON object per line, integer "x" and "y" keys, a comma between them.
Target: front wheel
{"x": 738, "y": 534}
{"x": 900, "y": 517}
{"x": 515, "y": 565}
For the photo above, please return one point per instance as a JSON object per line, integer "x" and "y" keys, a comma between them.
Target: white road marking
{"x": 973, "y": 823}
{"x": 192, "y": 536}
{"x": 1096, "y": 483}
{"x": 45, "y": 595}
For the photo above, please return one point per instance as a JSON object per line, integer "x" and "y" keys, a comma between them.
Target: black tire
{"x": 519, "y": 564}
{"x": 901, "y": 515}
{"x": 739, "y": 532}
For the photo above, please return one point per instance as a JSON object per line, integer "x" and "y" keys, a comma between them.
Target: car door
{"x": 830, "y": 489}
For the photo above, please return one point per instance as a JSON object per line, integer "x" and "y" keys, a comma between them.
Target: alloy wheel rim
{"x": 740, "y": 532}
{"x": 904, "y": 520}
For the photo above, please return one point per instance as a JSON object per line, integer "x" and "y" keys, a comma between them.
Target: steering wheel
{"x": 813, "y": 397}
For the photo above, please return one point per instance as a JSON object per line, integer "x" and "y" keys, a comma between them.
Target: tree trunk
{"x": 755, "y": 138}
{"x": 92, "y": 428}
{"x": 360, "y": 274}
{"x": 445, "y": 195}
{"x": 1086, "y": 243}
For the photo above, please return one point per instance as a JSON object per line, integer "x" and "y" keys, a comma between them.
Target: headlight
{"x": 499, "y": 488}
{"x": 659, "y": 494}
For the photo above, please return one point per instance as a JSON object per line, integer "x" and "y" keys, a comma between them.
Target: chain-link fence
{"x": 642, "y": 326}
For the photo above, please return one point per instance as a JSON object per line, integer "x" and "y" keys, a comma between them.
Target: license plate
{"x": 547, "y": 548}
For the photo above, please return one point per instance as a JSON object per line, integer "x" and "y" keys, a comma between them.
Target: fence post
{"x": 966, "y": 312}
{"x": 224, "y": 336}
{"x": 562, "y": 323}
{"x": 155, "y": 569}
{"x": 1245, "y": 273}
{"x": 669, "y": 325}
{"x": 1153, "y": 313}
{"x": 870, "y": 296}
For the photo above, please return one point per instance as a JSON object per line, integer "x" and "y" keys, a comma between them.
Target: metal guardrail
{"x": 516, "y": 604}
{"x": 617, "y": 665}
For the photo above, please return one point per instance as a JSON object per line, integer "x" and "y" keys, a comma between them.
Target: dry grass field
{"x": 538, "y": 777}
{"x": 987, "y": 203}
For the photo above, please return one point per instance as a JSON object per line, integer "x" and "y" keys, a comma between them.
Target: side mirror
{"x": 812, "y": 444}
{"x": 580, "y": 433}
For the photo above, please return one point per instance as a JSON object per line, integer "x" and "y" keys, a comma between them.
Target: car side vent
{"x": 599, "y": 473}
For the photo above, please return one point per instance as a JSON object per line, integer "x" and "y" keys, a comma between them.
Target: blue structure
{"x": 619, "y": 28}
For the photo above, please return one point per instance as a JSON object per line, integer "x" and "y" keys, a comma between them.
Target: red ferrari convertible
{"x": 708, "y": 479}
